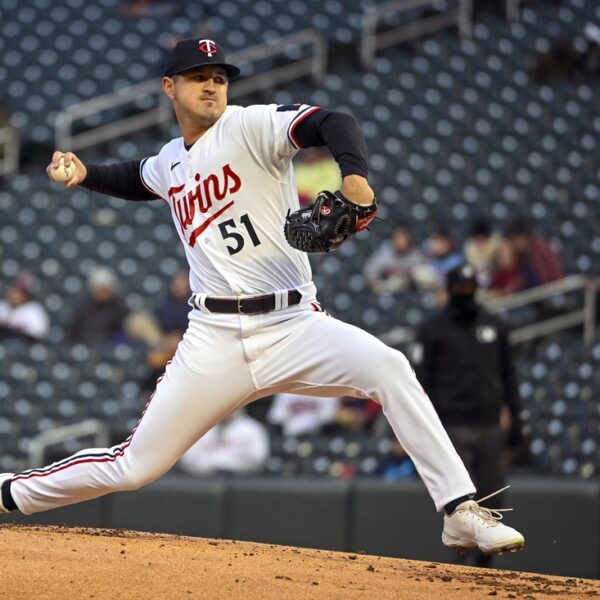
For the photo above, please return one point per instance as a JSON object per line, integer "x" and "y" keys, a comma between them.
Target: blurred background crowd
{"x": 484, "y": 152}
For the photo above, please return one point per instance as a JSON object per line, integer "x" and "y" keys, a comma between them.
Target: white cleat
{"x": 472, "y": 526}
{"x": 3, "y": 478}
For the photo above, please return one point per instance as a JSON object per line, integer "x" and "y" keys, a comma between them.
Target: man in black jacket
{"x": 463, "y": 360}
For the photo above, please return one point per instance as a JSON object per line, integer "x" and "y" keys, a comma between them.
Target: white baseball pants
{"x": 226, "y": 361}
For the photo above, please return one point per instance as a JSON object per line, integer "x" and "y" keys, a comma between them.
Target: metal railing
{"x": 65, "y": 139}
{"x": 586, "y": 316}
{"x": 9, "y": 150}
{"x": 314, "y": 65}
{"x": 161, "y": 112}
{"x": 371, "y": 40}
{"x": 89, "y": 427}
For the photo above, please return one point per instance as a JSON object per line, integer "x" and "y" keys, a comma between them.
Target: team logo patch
{"x": 208, "y": 47}
{"x": 325, "y": 210}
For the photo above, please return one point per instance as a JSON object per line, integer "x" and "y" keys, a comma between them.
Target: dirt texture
{"x": 66, "y": 562}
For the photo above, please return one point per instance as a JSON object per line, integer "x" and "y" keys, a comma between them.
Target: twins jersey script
{"x": 229, "y": 195}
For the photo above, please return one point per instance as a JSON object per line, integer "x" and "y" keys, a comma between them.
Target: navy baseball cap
{"x": 195, "y": 52}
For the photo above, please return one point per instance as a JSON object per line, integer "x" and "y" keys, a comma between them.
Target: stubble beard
{"x": 209, "y": 117}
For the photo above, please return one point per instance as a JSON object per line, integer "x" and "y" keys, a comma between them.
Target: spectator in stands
{"x": 142, "y": 326}
{"x": 561, "y": 62}
{"x": 158, "y": 357}
{"x": 391, "y": 267}
{"x": 397, "y": 464}
{"x": 172, "y": 313}
{"x": 100, "y": 315}
{"x": 481, "y": 249}
{"x": 169, "y": 320}
{"x": 573, "y": 59}
{"x": 357, "y": 414}
{"x": 298, "y": 415}
{"x": 464, "y": 362}
{"x": 506, "y": 277}
{"x": 591, "y": 61}
{"x": 538, "y": 261}
{"x": 239, "y": 444}
{"x": 20, "y": 315}
{"x": 442, "y": 256}
{"x": 315, "y": 171}
{"x": 394, "y": 463}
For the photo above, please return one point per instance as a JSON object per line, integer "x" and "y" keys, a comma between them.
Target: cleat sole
{"x": 461, "y": 545}
{"x": 515, "y": 547}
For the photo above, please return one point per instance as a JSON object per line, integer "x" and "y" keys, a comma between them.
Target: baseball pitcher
{"x": 255, "y": 326}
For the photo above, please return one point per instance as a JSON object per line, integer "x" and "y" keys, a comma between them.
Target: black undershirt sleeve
{"x": 341, "y": 134}
{"x": 122, "y": 180}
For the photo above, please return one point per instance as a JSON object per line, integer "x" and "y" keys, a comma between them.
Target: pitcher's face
{"x": 200, "y": 94}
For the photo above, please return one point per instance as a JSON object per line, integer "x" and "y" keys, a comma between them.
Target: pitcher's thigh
{"x": 333, "y": 353}
{"x": 183, "y": 408}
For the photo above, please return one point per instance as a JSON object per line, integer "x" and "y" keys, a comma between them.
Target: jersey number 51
{"x": 238, "y": 238}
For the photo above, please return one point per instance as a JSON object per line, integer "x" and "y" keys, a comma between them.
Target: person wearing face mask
{"x": 464, "y": 362}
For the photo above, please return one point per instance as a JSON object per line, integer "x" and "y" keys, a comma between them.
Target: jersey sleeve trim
{"x": 142, "y": 163}
{"x": 298, "y": 119}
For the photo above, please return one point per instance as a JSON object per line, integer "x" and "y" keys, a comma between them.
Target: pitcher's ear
{"x": 168, "y": 84}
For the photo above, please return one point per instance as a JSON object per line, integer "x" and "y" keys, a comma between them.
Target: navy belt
{"x": 249, "y": 306}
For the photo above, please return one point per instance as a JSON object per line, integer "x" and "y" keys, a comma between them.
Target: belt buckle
{"x": 239, "y": 306}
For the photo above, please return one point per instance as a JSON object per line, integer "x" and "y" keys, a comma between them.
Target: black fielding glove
{"x": 326, "y": 224}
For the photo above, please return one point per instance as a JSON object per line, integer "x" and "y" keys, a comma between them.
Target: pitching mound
{"x": 62, "y": 562}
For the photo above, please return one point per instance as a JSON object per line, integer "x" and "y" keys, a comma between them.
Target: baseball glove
{"x": 326, "y": 224}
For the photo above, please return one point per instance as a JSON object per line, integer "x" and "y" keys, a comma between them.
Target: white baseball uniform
{"x": 29, "y": 318}
{"x": 229, "y": 195}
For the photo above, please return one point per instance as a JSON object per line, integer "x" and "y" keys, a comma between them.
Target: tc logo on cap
{"x": 207, "y": 46}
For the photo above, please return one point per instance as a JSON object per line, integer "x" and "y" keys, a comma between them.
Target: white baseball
{"x": 62, "y": 172}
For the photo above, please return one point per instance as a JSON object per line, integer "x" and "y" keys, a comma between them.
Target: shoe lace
{"x": 489, "y": 514}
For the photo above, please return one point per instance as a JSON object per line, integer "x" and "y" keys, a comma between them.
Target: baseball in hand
{"x": 62, "y": 172}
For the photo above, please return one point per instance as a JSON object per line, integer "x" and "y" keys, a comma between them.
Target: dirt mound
{"x": 69, "y": 562}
